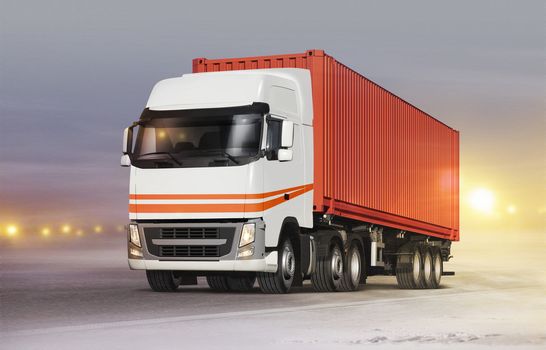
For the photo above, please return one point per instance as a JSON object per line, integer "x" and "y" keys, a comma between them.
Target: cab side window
{"x": 274, "y": 130}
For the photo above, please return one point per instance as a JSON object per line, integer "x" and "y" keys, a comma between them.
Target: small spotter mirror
{"x": 285, "y": 155}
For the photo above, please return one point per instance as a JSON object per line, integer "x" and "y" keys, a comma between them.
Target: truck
{"x": 286, "y": 168}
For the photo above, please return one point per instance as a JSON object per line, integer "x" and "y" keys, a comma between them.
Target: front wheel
{"x": 218, "y": 283}
{"x": 280, "y": 282}
{"x": 163, "y": 281}
{"x": 241, "y": 283}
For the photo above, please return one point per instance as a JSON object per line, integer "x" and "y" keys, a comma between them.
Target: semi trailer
{"x": 288, "y": 168}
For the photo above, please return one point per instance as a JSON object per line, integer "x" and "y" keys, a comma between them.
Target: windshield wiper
{"x": 224, "y": 153}
{"x": 166, "y": 153}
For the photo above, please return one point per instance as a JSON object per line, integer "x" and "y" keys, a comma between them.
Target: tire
{"x": 428, "y": 269}
{"x": 409, "y": 267}
{"x": 218, "y": 283}
{"x": 352, "y": 273}
{"x": 162, "y": 281}
{"x": 329, "y": 270}
{"x": 241, "y": 283}
{"x": 280, "y": 282}
{"x": 437, "y": 268}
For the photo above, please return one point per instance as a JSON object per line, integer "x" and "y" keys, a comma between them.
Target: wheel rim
{"x": 428, "y": 266}
{"x": 438, "y": 268}
{"x": 337, "y": 264}
{"x": 355, "y": 266}
{"x": 416, "y": 266}
{"x": 288, "y": 264}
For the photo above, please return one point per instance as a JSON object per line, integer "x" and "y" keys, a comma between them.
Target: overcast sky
{"x": 75, "y": 73}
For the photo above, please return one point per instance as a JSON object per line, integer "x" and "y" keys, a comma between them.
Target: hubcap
{"x": 288, "y": 264}
{"x": 337, "y": 264}
{"x": 416, "y": 266}
{"x": 355, "y": 267}
{"x": 438, "y": 268}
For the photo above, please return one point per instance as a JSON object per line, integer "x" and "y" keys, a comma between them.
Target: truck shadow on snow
{"x": 306, "y": 289}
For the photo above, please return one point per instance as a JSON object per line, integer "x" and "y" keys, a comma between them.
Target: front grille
{"x": 186, "y": 250}
{"x": 189, "y": 251}
{"x": 189, "y": 232}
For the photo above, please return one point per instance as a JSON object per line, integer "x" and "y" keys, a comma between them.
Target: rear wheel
{"x": 162, "y": 281}
{"x": 353, "y": 269}
{"x": 218, "y": 283}
{"x": 437, "y": 268}
{"x": 329, "y": 270}
{"x": 280, "y": 282}
{"x": 428, "y": 269}
{"x": 409, "y": 267}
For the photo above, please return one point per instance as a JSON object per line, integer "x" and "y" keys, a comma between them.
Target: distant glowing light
{"x": 45, "y": 232}
{"x": 97, "y": 229}
{"x": 12, "y": 230}
{"x": 511, "y": 209}
{"x": 482, "y": 200}
{"x": 66, "y": 229}
{"x": 119, "y": 228}
{"x": 79, "y": 233}
{"x": 162, "y": 134}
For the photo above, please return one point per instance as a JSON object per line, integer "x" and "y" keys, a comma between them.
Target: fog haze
{"x": 74, "y": 74}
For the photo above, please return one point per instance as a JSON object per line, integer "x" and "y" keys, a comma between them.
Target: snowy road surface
{"x": 81, "y": 295}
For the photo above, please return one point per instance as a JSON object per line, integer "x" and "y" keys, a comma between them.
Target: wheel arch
{"x": 290, "y": 229}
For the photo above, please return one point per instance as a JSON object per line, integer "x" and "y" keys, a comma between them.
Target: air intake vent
{"x": 189, "y": 233}
{"x": 184, "y": 251}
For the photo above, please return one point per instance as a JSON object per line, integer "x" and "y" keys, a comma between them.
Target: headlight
{"x": 247, "y": 234}
{"x": 134, "y": 237}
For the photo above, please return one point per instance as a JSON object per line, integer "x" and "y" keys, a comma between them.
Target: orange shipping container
{"x": 378, "y": 158}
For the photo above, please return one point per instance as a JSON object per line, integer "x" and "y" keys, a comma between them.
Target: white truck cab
{"x": 285, "y": 174}
{"x": 221, "y": 168}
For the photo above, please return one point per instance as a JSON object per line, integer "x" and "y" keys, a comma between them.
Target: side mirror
{"x": 284, "y": 155}
{"x": 125, "y": 160}
{"x": 127, "y": 140}
{"x": 287, "y": 134}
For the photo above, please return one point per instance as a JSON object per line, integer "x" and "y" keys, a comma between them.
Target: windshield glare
{"x": 198, "y": 141}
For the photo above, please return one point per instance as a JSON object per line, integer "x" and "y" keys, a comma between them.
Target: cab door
{"x": 283, "y": 176}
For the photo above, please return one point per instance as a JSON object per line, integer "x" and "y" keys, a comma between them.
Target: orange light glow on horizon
{"x": 46, "y": 232}
{"x": 12, "y": 230}
{"x": 66, "y": 229}
{"x": 482, "y": 200}
{"x": 97, "y": 228}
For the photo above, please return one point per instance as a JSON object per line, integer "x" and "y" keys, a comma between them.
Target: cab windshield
{"x": 197, "y": 140}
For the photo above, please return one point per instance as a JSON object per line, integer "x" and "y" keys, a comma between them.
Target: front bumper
{"x": 219, "y": 252}
{"x": 268, "y": 264}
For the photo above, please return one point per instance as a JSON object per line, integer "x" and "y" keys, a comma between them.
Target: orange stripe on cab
{"x": 292, "y": 192}
{"x": 213, "y": 196}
